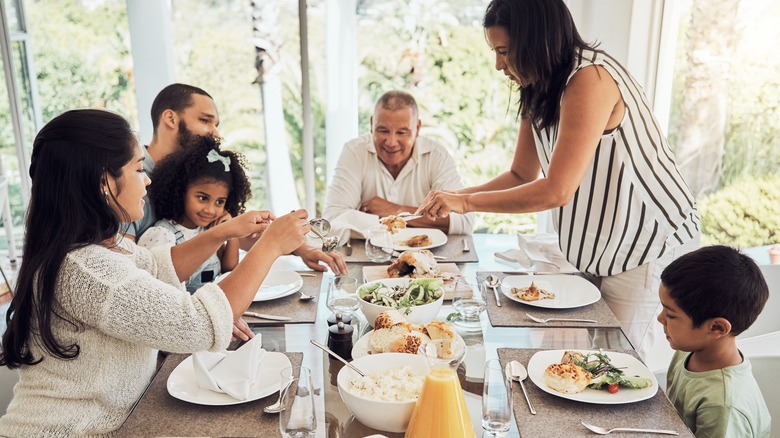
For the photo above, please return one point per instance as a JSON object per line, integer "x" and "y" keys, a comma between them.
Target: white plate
{"x": 277, "y": 284}
{"x": 570, "y": 290}
{"x": 438, "y": 238}
{"x": 630, "y": 365}
{"x": 183, "y": 384}
{"x": 363, "y": 345}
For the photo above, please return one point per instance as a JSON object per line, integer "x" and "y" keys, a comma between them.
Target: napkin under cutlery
{"x": 230, "y": 373}
{"x": 537, "y": 253}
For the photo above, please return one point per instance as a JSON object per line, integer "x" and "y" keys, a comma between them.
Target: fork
{"x": 408, "y": 216}
{"x": 543, "y": 321}
{"x": 605, "y": 431}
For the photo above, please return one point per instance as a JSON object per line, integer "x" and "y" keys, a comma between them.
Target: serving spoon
{"x": 321, "y": 227}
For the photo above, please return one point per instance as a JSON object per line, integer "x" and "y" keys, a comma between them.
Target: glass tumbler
{"x": 379, "y": 244}
{"x": 496, "y": 400}
{"x": 298, "y": 420}
{"x": 342, "y": 295}
{"x": 468, "y": 299}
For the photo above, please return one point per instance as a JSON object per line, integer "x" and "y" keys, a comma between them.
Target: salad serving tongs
{"x": 408, "y": 216}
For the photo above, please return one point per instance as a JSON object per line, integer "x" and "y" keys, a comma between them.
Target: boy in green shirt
{"x": 709, "y": 296}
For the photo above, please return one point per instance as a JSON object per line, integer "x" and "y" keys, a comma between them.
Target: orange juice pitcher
{"x": 441, "y": 410}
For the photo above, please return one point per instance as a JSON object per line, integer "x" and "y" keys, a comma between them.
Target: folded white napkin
{"x": 538, "y": 253}
{"x": 352, "y": 224}
{"x": 230, "y": 373}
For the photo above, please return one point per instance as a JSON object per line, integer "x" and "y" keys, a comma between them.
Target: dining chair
{"x": 765, "y": 371}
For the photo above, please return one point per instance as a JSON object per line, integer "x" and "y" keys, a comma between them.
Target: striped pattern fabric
{"x": 632, "y": 205}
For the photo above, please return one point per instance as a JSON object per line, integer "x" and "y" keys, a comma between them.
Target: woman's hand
{"x": 286, "y": 233}
{"x": 439, "y": 204}
{"x": 241, "y": 330}
{"x": 251, "y": 223}
{"x": 312, "y": 257}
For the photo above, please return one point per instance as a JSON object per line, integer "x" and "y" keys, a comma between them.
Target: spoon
{"x": 278, "y": 406}
{"x": 332, "y": 353}
{"x": 516, "y": 371}
{"x": 604, "y": 431}
{"x": 305, "y": 297}
{"x": 493, "y": 282}
{"x": 329, "y": 244}
{"x": 320, "y": 226}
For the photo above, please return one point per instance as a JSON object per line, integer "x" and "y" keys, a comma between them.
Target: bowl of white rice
{"x": 385, "y": 397}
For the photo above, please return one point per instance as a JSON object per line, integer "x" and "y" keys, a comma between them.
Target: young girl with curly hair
{"x": 191, "y": 191}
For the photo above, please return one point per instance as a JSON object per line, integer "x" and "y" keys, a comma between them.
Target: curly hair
{"x": 175, "y": 173}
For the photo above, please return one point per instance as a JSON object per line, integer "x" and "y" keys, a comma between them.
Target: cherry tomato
{"x": 613, "y": 388}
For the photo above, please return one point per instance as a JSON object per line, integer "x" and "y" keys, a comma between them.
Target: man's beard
{"x": 188, "y": 140}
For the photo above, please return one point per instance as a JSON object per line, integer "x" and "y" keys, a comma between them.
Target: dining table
{"x": 157, "y": 413}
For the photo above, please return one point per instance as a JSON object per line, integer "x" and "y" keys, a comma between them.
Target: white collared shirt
{"x": 360, "y": 176}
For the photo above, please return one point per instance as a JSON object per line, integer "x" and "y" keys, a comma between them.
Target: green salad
{"x": 606, "y": 374}
{"x": 403, "y": 297}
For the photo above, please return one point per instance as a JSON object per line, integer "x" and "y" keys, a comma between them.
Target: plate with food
{"x": 418, "y": 238}
{"x": 419, "y": 263}
{"x": 592, "y": 376}
{"x": 550, "y": 291}
{"x": 394, "y": 334}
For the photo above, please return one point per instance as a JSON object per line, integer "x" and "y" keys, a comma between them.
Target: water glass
{"x": 342, "y": 295}
{"x": 379, "y": 244}
{"x": 496, "y": 400}
{"x": 297, "y": 420}
{"x": 468, "y": 300}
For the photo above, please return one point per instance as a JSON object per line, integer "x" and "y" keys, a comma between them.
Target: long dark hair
{"x": 173, "y": 175}
{"x": 68, "y": 210}
{"x": 543, "y": 42}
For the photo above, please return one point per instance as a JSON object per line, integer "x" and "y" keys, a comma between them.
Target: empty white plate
{"x": 277, "y": 284}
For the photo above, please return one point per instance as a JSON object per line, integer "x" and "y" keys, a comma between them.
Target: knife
{"x": 266, "y": 316}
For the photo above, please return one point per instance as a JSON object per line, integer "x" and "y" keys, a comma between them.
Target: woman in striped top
{"x": 590, "y": 149}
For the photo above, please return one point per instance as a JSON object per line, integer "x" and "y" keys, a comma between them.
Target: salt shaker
{"x": 340, "y": 339}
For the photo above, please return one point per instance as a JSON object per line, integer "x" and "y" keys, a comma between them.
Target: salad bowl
{"x": 420, "y": 307}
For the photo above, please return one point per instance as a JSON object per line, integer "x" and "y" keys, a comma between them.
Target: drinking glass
{"x": 496, "y": 400}
{"x": 342, "y": 295}
{"x": 468, "y": 300}
{"x": 379, "y": 244}
{"x": 297, "y": 420}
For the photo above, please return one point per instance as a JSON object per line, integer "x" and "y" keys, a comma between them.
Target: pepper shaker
{"x": 340, "y": 339}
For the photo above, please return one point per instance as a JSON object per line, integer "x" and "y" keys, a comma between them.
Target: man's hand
{"x": 312, "y": 257}
{"x": 381, "y": 207}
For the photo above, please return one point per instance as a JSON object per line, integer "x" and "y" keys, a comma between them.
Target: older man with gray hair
{"x": 392, "y": 169}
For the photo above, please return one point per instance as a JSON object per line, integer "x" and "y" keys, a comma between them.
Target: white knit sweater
{"x": 127, "y": 306}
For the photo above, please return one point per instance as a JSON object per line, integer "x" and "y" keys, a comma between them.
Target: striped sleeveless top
{"x": 632, "y": 205}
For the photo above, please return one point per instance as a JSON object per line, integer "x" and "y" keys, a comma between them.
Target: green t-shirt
{"x": 718, "y": 403}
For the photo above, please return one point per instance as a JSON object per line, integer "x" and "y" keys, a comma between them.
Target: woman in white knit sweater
{"x": 90, "y": 309}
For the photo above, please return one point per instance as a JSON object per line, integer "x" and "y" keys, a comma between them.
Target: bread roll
{"x": 409, "y": 343}
{"x": 389, "y": 318}
{"x": 566, "y": 378}
{"x": 381, "y": 339}
{"x": 440, "y": 330}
